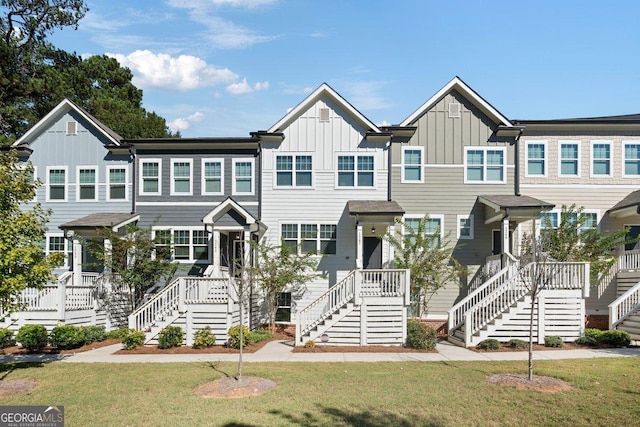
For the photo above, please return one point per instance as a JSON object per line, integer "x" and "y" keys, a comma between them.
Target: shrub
{"x": 489, "y": 344}
{"x": 615, "y": 338}
{"x": 170, "y": 337}
{"x": 310, "y": 344}
{"x": 553, "y": 341}
{"x": 93, "y": 334}
{"x": 259, "y": 335}
{"x": 32, "y": 337}
{"x": 6, "y": 338}
{"x": 132, "y": 339}
{"x": 420, "y": 336}
{"x": 234, "y": 336}
{"x": 519, "y": 344}
{"x": 117, "y": 334}
{"x": 66, "y": 337}
{"x": 204, "y": 338}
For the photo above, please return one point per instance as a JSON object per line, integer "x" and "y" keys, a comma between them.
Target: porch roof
{"x": 374, "y": 207}
{"x": 98, "y": 220}
{"x": 516, "y": 207}
{"x": 628, "y": 206}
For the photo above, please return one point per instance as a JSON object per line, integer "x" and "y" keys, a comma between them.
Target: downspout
{"x": 259, "y": 181}
{"x": 133, "y": 181}
{"x": 516, "y": 159}
{"x": 389, "y": 169}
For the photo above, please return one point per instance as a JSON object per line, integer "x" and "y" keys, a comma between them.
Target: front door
{"x": 634, "y": 233}
{"x": 372, "y": 253}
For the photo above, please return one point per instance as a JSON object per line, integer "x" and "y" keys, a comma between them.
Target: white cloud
{"x": 244, "y": 87}
{"x": 206, "y": 4}
{"x": 383, "y": 123}
{"x": 184, "y": 72}
{"x": 365, "y": 94}
{"x": 181, "y": 124}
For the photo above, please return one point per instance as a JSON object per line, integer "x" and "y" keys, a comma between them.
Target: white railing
{"x": 88, "y": 279}
{"x": 206, "y": 289}
{"x": 54, "y": 297}
{"x": 384, "y": 283}
{"x": 490, "y": 268}
{"x": 629, "y": 260}
{"x": 624, "y": 305}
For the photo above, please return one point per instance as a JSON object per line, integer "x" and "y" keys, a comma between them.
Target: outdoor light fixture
{"x": 373, "y": 229}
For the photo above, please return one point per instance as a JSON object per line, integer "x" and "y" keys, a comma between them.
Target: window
{"x": 569, "y": 159}
{"x": 150, "y": 177}
{"x": 590, "y": 221}
{"x": 181, "y": 177}
{"x": 631, "y": 159}
{"x": 200, "y": 245}
{"x": 536, "y": 162}
{"x": 117, "y": 177}
{"x": 57, "y": 183}
{"x": 412, "y": 164}
{"x": 212, "y": 179}
{"x": 484, "y": 165}
{"x": 86, "y": 188}
{"x": 465, "y": 226}
{"x": 548, "y": 220}
{"x": 181, "y": 244}
{"x": 433, "y": 226}
{"x": 243, "y": 176}
{"x": 319, "y": 238}
{"x": 551, "y": 220}
{"x": 355, "y": 171}
{"x": 283, "y": 313}
{"x": 58, "y": 244}
{"x": 600, "y": 158}
{"x": 294, "y": 171}
{"x": 188, "y": 244}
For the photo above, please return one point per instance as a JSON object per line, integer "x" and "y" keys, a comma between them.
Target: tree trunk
{"x": 239, "y": 375}
{"x": 533, "y": 304}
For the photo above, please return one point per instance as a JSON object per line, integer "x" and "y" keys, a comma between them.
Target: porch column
{"x": 77, "y": 262}
{"x": 359, "y": 239}
{"x": 107, "y": 251}
{"x": 216, "y": 253}
{"x": 504, "y": 234}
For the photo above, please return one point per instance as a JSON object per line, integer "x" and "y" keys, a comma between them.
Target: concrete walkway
{"x": 281, "y": 351}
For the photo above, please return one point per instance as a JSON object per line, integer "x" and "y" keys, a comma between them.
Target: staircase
{"x": 624, "y": 312}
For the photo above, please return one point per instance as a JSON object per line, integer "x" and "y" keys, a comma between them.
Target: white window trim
{"x": 126, "y": 183}
{"x": 203, "y": 176}
{"x": 355, "y": 171}
{"x": 545, "y": 159}
{"x": 319, "y": 240}
{"x": 141, "y": 177}
{"x": 471, "y": 227}
{"x": 422, "y": 167}
{"x": 485, "y": 149}
{"x": 611, "y": 156}
{"x": 23, "y": 166}
{"x": 191, "y": 259}
{"x": 95, "y": 184}
{"x": 624, "y": 157}
{"x": 173, "y": 191}
{"x": 66, "y": 183}
{"x": 558, "y": 213}
{"x": 569, "y": 142}
{"x": 253, "y": 176}
{"x": 431, "y": 216}
{"x": 293, "y": 171}
{"x": 67, "y": 262}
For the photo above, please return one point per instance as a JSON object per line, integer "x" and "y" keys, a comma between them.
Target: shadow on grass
{"x": 7, "y": 368}
{"x": 375, "y": 418}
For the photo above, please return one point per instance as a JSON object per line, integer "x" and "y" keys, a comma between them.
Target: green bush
{"x": 32, "y": 337}
{"x": 553, "y": 341}
{"x": 259, "y": 335}
{"x": 170, "y": 337}
{"x": 519, "y": 344}
{"x": 65, "y": 337}
{"x": 94, "y": 334}
{"x": 6, "y": 338}
{"x": 489, "y": 344}
{"x": 234, "y": 337}
{"x": 615, "y": 338}
{"x": 117, "y": 334}
{"x": 420, "y": 336}
{"x": 310, "y": 344}
{"x": 204, "y": 338}
{"x": 132, "y": 339}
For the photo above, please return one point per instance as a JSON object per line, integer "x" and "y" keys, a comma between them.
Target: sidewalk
{"x": 281, "y": 351}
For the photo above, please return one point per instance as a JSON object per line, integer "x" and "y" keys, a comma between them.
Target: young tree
{"x": 23, "y": 262}
{"x": 428, "y": 258}
{"x": 278, "y": 268}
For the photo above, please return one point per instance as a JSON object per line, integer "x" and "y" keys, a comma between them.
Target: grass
{"x": 606, "y": 392}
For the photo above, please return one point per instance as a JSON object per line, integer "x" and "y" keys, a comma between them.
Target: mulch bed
{"x": 184, "y": 349}
{"x": 17, "y": 350}
{"x": 538, "y": 383}
{"x": 504, "y": 347}
{"x": 9, "y": 387}
{"x": 229, "y": 387}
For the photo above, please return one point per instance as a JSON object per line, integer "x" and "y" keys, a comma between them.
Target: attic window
{"x": 72, "y": 128}
{"x": 454, "y": 109}
{"x": 324, "y": 114}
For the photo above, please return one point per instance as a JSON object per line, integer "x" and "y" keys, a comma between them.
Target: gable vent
{"x": 72, "y": 128}
{"x": 324, "y": 114}
{"x": 454, "y": 109}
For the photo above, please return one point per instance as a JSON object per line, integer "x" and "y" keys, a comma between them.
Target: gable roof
{"x": 457, "y": 84}
{"x": 58, "y": 111}
{"x": 99, "y": 220}
{"x": 323, "y": 90}
{"x": 224, "y": 207}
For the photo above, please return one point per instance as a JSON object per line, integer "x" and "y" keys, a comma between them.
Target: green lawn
{"x": 606, "y": 392}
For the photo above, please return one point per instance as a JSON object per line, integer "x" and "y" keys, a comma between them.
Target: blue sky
{"x": 229, "y": 67}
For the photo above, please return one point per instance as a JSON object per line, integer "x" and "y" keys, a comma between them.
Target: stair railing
{"x": 629, "y": 260}
{"x": 164, "y": 302}
{"x": 624, "y": 305}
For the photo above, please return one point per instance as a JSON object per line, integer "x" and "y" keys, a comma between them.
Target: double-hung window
{"x": 356, "y": 171}
{"x": 58, "y": 244}
{"x": 151, "y": 177}
{"x": 212, "y": 176}
{"x": 465, "y": 227}
{"x": 181, "y": 181}
{"x": 551, "y": 220}
{"x": 243, "y": 176}
{"x": 87, "y": 183}
{"x": 536, "y": 161}
{"x": 432, "y": 227}
{"x": 600, "y": 158}
{"x": 310, "y": 237}
{"x": 631, "y": 159}
{"x": 294, "y": 171}
{"x": 188, "y": 244}
{"x": 485, "y": 165}
{"x": 569, "y": 159}
{"x": 412, "y": 164}
{"x": 117, "y": 179}
{"x": 57, "y": 183}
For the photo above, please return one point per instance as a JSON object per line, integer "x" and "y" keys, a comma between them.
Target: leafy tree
{"x": 428, "y": 258}
{"x": 278, "y": 268}
{"x": 23, "y": 262}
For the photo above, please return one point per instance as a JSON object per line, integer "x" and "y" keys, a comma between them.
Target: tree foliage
{"x": 23, "y": 262}
{"x": 428, "y": 258}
